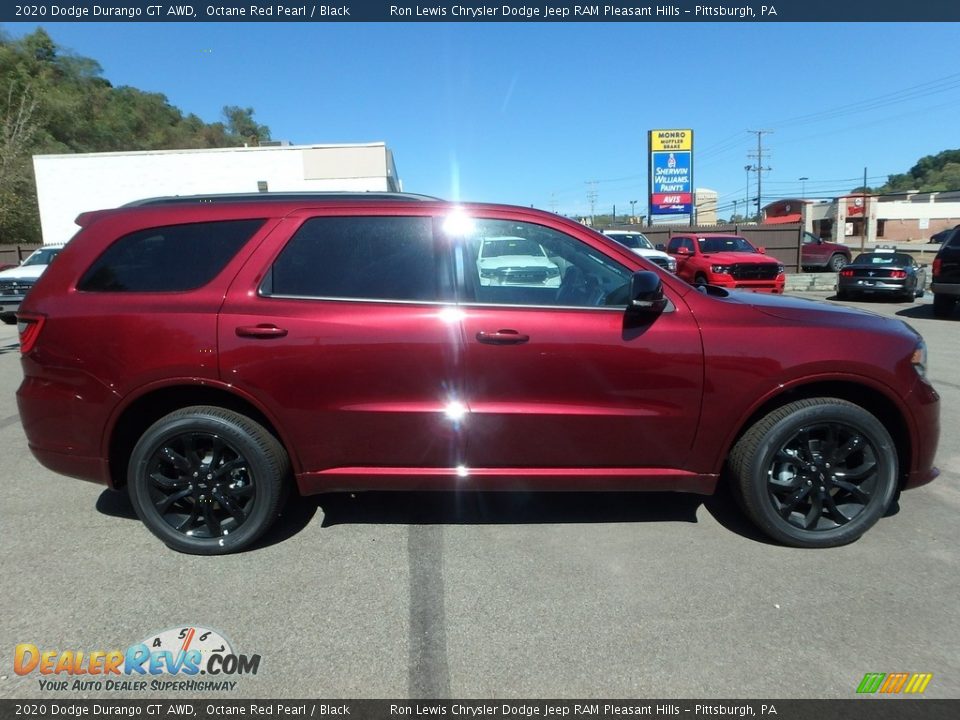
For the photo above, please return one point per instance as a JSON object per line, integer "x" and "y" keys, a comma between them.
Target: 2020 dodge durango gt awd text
{"x": 205, "y": 353}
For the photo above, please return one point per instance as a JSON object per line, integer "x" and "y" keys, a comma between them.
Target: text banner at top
{"x": 850, "y": 11}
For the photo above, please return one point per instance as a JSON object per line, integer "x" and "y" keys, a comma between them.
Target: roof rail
{"x": 312, "y": 196}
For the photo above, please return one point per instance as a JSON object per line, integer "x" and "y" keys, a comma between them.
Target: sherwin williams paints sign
{"x": 671, "y": 172}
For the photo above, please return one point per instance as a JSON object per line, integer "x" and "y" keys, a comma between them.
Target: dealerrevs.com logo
{"x": 894, "y": 683}
{"x": 188, "y": 659}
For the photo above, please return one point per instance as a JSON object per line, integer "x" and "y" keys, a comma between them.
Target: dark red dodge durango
{"x": 208, "y": 353}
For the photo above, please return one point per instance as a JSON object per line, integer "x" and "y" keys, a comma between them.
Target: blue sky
{"x": 530, "y": 113}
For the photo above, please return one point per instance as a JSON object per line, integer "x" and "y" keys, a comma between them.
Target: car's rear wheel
{"x": 207, "y": 481}
{"x": 837, "y": 263}
{"x": 815, "y": 473}
{"x": 943, "y": 305}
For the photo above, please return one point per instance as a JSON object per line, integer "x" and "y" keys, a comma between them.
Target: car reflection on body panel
{"x": 516, "y": 261}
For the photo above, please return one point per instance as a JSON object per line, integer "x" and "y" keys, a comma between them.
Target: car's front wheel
{"x": 815, "y": 473}
{"x": 206, "y": 480}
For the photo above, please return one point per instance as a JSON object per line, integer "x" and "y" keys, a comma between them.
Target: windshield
{"x": 724, "y": 244}
{"x": 43, "y": 256}
{"x": 633, "y": 240}
{"x": 501, "y": 247}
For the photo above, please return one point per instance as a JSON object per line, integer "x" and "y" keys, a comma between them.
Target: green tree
{"x": 932, "y": 173}
{"x": 52, "y": 101}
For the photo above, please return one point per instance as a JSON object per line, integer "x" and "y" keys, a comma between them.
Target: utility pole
{"x": 759, "y": 167}
{"x": 592, "y": 198}
{"x": 866, "y": 215}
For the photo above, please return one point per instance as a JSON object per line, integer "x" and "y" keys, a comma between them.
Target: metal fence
{"x": 782, "y": 242}
{"x": 14, "y": 254}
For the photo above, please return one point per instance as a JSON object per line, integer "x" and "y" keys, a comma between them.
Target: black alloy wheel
{"x": 206, "y": 480}
{"x": 815, "y": 473}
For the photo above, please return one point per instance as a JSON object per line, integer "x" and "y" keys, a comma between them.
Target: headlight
{"x": 779, "y": 269}
{"x": 720, "y": 269}
{"x": 553, "y": 272}
{"x": 919, "y": 359}
{"x": 671, "y": 265}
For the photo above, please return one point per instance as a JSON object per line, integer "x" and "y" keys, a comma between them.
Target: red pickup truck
{"x": 728, "y": 261}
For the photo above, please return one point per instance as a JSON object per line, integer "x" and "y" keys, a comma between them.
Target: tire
{"x": 943, "y": 305}
{"x": 700, "y": 280}
{"x": 836, "y": 263}
{"x": 246, "y": 468}
{"x": 920, "y": 292}
{"x": 8, "y": 319}
{"x": 815, "y": 473}
{"x": 842, "y": 295}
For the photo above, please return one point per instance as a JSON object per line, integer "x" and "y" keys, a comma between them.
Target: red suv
{"x": 728, "y": 261}
{"x": 210, "y": 353}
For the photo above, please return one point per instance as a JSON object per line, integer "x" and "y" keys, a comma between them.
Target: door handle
{"x": 261, "y": 331}
{"x": 502, "y": 337}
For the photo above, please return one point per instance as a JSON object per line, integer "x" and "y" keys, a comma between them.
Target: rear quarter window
{"x": 173, "y": 258}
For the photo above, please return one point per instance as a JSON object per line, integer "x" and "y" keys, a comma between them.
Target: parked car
{"x": 946, "y": 276}
{"x": 15, "y": 282}
{"x": 726, "y": 261}
{"x": 819, "y": 254}
{"x": 883, "y": 272}
{"x": 642, "y": 246}
{"x": 515, "y": 261}
{"x": 207, "y": 353}
{"x": 942, "y": 236}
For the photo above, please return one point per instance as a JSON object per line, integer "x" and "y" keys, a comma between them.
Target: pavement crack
{"x": 7, "y": 421}
{"x": 429, "y": 674}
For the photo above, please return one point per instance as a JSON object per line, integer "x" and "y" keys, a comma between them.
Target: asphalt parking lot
{"x": 509, "y": 596}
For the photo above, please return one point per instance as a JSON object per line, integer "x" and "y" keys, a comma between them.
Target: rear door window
{"x": 174, "y": 258}
{"x": 360, "y": 258}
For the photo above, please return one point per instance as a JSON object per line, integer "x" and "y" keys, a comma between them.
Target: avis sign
{"x": 671, "y": 172}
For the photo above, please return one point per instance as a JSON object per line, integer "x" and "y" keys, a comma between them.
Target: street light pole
{"x": 746, "y": 199}
{"x": 633, "y": 212}
{"x": 803, "y": 188}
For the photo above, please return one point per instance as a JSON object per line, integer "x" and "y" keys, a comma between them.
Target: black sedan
{"x": 883, "y": 272}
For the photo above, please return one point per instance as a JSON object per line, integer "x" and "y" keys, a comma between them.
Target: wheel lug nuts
{"x": 196, "y": 474}
{"x": 209, "y": 476}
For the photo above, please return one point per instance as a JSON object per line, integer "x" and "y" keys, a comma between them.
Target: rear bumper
{"x": 877, "y": 286}
{"x": 945, "y": 288}
{"x": 91, "y": 469}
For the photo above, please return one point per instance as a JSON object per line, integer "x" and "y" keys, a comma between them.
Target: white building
{"x": 68, "y": 185}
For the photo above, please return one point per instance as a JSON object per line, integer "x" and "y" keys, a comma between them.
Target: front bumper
{"x": 9, "y": 306}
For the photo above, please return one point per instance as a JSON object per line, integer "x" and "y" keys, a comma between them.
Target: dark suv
{"x": 210, "y": 353}
{"x": 946, "y": 275}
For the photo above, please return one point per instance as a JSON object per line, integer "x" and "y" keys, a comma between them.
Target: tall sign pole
{"x": 670, "y": 173}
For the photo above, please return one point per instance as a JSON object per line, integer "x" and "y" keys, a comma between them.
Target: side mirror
{"x": 681, "y": 251}
{"x": 661, "y": 247}
{"x": 646, "y": 294}
{"x": 762, "y": 250}
{"x": 819, "y": 241}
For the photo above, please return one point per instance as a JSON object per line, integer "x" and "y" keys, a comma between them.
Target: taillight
{"x": 846, "y": 273}
{"x": 936, "y": 266}
{"x": 898, "y": 274}
{"x": 29, "y": 326}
